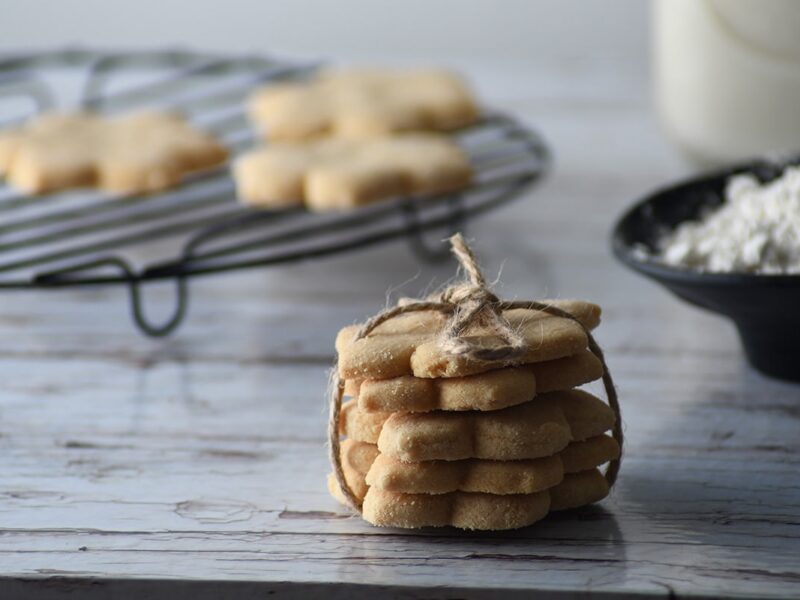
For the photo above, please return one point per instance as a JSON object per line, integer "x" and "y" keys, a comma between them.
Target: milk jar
{"x": 727, "y": 76}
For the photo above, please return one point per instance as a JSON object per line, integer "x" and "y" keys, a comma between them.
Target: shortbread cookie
{"x": 362, "y": 465}
{"x": 335, "y": 490}
{"x": 357, "y": 458}
{"x": 408, "y": 345}
{"x": 335, "y": 174}
{"x": 577, "y": 489}
{"x": 491, "y": 390}
{"x": 567, "y": 373}
{"x": 363, "y": 103}
{"x": 529, "y": 430}
{"x": 587, "y": 415}
{"x": 465, "y": 510}
{"x": 360, "y": 425}
{"x": 426, "y": 322}
{"x": 471, "y": 475}
{"x": 138, "y": 153}
{"x": 585, "y": 455}
{"x": 537, "y": 428}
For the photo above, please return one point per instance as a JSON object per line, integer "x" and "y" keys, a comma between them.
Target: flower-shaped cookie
{"x": 363, "y": 103}
{"x": 142, "y": 152}
{"x": 336, "y": 173}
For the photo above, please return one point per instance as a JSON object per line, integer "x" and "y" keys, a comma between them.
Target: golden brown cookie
{"x": 534, "y": 429}
{"x": 335, "y": 174}
{"x": 359, "y": 425}
{"x": 587, "y": 415}
{"x": 143, "y": 152}
{"x": 363, "y": 465}
{"x": 577, "y": 489}
{"x": 470, "y": 475}
{"x": 585, "y": 455}
{"x": 363, "y": 103}
{"x": 464, "y": 510}
{"x": 408, "y": 345}
{"x": 335, "y": 490}
{"x": 567, "y": 373}
{"x": 357, "y": 458}
{"x": 529, "y": 430}
{"x": 491, "y": 390}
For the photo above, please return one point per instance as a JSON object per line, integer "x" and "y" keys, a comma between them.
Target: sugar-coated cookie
{"x": 534, "y": 429}
{"x": 336, "y": 174}
{"x": 357, "y": 458}
{"x": 566, "y": 373}
{"x": 364, "y": 466}
{"x": 362, "y": 103}
{"x": 464, "y": 510}
{"x": 470, "y": 475}
{"x": 360, "y": 425}
{"x": 409, "y": 345}
{"x": 590, "y": 453}
{"x": 529, "y": 430}
{"x": 577, "y": 489}
{"x": 142, "y": 152}
{"x": 586, "y": 414}
{"x": 491, "y": 390}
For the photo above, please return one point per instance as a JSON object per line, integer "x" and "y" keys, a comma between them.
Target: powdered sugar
{"x": 756, "y": 230}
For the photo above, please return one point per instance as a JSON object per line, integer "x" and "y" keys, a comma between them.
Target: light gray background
{"x": 533, "y": 31}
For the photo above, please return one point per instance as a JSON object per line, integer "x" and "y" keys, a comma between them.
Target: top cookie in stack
{"x": 347, "y": 138}
{"x": 436, "y": 436}
{"x": 408, "y": 344}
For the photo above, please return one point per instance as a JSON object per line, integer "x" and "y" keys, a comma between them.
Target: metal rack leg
{"x": 61, "y": 277}
{"x": 178, "y": 314}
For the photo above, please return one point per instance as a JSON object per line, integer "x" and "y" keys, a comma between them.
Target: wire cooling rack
{"x": 87, "y": 238}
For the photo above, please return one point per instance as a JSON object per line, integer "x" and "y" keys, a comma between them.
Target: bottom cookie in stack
{"x": 476, "y": 470}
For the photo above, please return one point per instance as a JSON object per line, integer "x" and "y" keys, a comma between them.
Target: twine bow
{"x": 469, "y": 305}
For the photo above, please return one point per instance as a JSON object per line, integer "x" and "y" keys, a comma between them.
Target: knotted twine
{"x": 468, "y": 304}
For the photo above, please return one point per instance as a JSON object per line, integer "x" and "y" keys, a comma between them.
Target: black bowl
{"x": 765, "y": 308}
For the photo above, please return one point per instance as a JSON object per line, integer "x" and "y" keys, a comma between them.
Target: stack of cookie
{"x": 347, "y": 138}
{"x": 433, "y": 438}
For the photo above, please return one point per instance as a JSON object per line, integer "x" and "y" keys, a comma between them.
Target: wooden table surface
{"x": 194, "y": 467}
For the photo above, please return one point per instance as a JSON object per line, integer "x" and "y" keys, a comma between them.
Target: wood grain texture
{"x": 194, "y": 467}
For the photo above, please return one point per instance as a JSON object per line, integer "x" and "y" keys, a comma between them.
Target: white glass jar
{"x": 727, "y": 76}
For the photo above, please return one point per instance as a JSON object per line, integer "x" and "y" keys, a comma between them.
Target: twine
{"x": 468, "y": 304}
